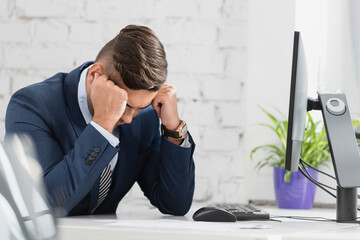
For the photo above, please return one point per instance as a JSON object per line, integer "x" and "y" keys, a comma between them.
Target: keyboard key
{"x": 245, "y": 211}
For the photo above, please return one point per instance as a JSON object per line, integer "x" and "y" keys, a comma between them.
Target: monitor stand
{"x": 346, "y": 205}
{"x": 344, "y": 151}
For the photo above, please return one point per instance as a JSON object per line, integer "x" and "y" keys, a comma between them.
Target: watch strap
{"x": 179, "y": 133}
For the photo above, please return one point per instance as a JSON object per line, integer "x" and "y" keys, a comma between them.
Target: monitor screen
{"x": 297, "y": 105}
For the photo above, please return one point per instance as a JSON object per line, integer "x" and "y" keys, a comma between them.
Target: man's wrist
{"x": 113, "y": 140}
{"x": 108, "y": 126}
{"x": 176, "y": 135}
{"x": 175, "y": 140}
{"x": 173, "y": 125}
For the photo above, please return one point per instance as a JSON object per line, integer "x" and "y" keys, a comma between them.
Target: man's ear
{"x": 95, "y": 68}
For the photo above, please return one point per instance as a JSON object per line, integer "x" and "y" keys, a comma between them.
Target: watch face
{"x": 183, "y": 130}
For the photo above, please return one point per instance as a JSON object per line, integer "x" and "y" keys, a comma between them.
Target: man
{"x": 96, "y": 129}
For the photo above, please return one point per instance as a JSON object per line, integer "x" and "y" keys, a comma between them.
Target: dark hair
{"x": 139, "y": 56}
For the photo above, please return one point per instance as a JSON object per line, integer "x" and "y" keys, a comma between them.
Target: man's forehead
{"x": 140, "y": 99}
{"x": 136, "y": 98}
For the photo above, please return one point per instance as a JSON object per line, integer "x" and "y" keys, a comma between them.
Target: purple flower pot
{"x": 299, "y": 193}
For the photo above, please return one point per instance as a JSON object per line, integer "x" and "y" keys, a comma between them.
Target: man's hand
{"x": 165, "y": 105}
{"x": 108, "y": 101}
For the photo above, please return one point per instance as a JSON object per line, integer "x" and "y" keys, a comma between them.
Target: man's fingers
{"x": 96, "y": 75}
{"x": 110, "y": 83}
{"x": 157, "y": 107}
{"x": 100, "y": 79}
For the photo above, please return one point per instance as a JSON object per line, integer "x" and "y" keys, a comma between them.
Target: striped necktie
{"x": 104, "y": 186}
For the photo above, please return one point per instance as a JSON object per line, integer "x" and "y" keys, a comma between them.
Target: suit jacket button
{"x": 88, "y": 161}
{"x": 93, "y": 154}
{"x": 97, "y": 149}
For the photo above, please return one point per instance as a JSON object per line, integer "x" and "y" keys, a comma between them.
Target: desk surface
{"x": 148, "y": 223}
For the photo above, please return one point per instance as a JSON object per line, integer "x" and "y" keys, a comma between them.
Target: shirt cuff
{"x": 113, "y": 140}
{"x": 186, "y": 143}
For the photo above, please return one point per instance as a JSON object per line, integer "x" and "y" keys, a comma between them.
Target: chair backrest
{"x": 23, "y": 203}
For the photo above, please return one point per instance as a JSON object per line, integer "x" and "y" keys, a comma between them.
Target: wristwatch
{"x": 179, "y": 133}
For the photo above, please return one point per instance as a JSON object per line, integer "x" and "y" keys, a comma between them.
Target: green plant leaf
{"x": 287, "y": 176}
{"x": 314, "y": 148}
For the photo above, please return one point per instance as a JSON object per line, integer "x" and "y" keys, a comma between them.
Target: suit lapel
{"x": 129, "y": 143}
{"x": 71, "y": 99}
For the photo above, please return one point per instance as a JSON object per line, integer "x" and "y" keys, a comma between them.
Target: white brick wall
{"x": 5, "y": 82}
{"x": 51, "y": 31}
{"x": 205, "y": 41}
{"x": 15, "y": 32}
{"x": 4, "y": 100}
{"x": 48, "y": 9}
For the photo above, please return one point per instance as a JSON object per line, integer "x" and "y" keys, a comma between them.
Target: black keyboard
{"x": 245, "y": 211}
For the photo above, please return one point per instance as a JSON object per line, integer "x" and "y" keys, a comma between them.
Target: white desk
{"x": 98, "y": 227}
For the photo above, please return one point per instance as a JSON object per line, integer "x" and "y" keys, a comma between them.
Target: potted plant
{"x": 292, "y": 189}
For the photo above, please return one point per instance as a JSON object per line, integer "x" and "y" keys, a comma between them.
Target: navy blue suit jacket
{"x": 49, "y": 112}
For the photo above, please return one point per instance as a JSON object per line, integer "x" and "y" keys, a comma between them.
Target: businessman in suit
{"x": 97, "y": 129}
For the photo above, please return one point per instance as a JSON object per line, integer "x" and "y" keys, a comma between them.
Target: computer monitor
{"x": 297, "y": 105}
{"x": 339, "y": 132}
{"x": 24, "y": 209}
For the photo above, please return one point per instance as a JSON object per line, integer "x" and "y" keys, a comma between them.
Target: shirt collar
{"x": 82, "y": 97}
